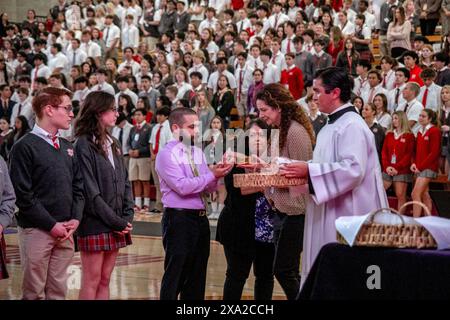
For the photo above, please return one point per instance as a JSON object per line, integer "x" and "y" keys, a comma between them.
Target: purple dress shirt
{"x": 179, "y": 187}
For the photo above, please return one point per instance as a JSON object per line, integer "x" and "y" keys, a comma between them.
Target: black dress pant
{"x": 288, "y": 234}
{"x": 428, "y": 26}
{"x": 238, "y": 269}
{"x": 186, "y": 239}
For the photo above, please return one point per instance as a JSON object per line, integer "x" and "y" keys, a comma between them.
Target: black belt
{"x": 196, "y": 212}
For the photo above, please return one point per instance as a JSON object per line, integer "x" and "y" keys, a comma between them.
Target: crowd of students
{"x": 215, "y": 57}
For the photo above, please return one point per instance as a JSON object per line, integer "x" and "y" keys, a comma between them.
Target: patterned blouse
{"x": 263, "y": 220}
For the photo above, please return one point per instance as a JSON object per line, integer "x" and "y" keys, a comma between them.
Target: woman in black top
{"x": 245, "y": 229}
{"x": 223, "y": 100}
{"x": 21, "y": 127}
{"x": 108, "y": 211}
{"x": 369, "y": 113}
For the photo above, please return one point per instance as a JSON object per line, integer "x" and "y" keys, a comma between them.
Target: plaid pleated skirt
{"x": 103, "y": 242}
{"x": 3, "y": 271}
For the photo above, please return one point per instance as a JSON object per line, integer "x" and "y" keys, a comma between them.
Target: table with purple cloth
{"x": 341, "y": 272}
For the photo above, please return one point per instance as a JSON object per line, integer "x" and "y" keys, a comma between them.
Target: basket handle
{"x": 425, "y": 209}
{"x": 374, "y": 213}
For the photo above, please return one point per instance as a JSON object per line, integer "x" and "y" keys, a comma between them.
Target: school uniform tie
{"x": 384, "y": 81}
{"x": 55, "y": 142}
{"x": 397, "y": 94}
{"x": 372, "y": 91}
{"x": 288, "y": 49}
{"x": 74, "y": 58}
{"x": 240, "y": 85}
{"x": 157, "y": 138}
{"x": 425, "y": 97}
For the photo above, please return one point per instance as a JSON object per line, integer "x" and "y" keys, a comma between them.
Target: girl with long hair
{"x": 396, "y": 156}
{"x": 426, "y": 160}
{"x": 223, "y": 100}
{"x": 398, "y": 33}
{"x": 21, "y": 127}
{"x": 108, "y": 211}
{"x": 369, "y": 113}
{"x": 214, "y": 148}
{"x": 126, "y": 106}
{"x": 336, "y": 44}
{"x": 279, "y": 109}
{"x": 203, "y": 109}
{"x": 383, "y": 116}
{"x": 348, "y": 58}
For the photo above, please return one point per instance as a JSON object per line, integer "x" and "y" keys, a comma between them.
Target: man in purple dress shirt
{"x": 184, "y": 180}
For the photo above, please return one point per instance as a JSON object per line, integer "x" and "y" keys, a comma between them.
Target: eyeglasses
{"x": 68, "y": 109}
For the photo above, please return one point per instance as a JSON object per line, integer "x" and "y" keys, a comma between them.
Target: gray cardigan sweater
{"x": 7, "y": 196}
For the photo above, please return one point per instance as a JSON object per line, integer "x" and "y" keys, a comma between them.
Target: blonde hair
{"x": 403, "y": 125}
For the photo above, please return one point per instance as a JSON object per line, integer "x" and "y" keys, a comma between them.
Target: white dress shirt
{"x": 390, "y": 80}
{"x": 110, "y": 33}
{"x": 368, "y": 93}
{"x": 199, "y": 68}
{"x": 80, "y": 57}
{"x": 434, "y": 101}
{"x": 130, "y": 36}
{"x": 105, "y": 87}
{"x": 392, "y": 106}
{"x": 128, "y": 92}
{"x": 26, "y": 111}
{"x": 212, "y": 81}
{"x": 279, "y": 61}
{"x": 247, "y": 78}
{"x": 279, "y": 18}
{"x": 125, "y": 135}
{"x": 412, "y": 113}
{"x": 135, "y": 67}
{"x": 284, "y": 45}
{"x": 91, "y": 49}
{"x": 58, "y": 60}
{"x": 271, "y": 74}
{"x": 164, "y": 137}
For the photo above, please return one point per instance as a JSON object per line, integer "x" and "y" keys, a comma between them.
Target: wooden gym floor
{"x": 138, "y": 270}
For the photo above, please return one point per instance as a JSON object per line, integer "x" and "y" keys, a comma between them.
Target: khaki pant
{"x": 44, "y": 263}
{"x": 158, "y": 204}
{"x": 384, "y": 46}
{"x": 151, "y": 42}
{"x": 241, "y": 104}
{"x": 139, "y": 169}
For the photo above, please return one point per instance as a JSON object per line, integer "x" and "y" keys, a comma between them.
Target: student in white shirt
{"x": 214, "y": 77}
{"x": 122, "y": 133}
{"x": 287, "y": 45}
{"x": 198, "y": 58}
{"x": 277, "y": 57}
{"x": 308, "y": 44}
{"x": 128, "y": 53}
{"x": 128, "y": 9}
{"x": 375, "y": 87}
{"x": 181, "y": 78}
{"x": 430, "y": 92}
{"x": 210, "y": 21}
{"x": 395, "y": 96}
{"x": 277, "y": 18}
{"x": 75, "y": 55}
{"x": 244, "y": 78}
{"x": 39, "y": 70}
{"x": 387, "y": 73}
{"x": 361, "y": 83}
{"x": 411, "y": 107}
{"x": 111, "y": 36}
{"x": 370, "y": 18}
{"x": 89, "y": 47}
{"x": 130, "y": 34}
{"x": 81, "y": 89}
{"x": 122, "y": 84}
{"x": 347, "y": 28}
{"x": 102, "y": 85}
{"x": 57, "y": 62}
{"x": 254, "y": 59}
{"x": 22, "y": 107}
{"x": 160, "y": 136}
{"x": 244, "y": 22}
{"x": 270, "y": 72}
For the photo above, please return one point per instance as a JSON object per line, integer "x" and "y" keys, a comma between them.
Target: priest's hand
{"x": 295, "y": 170}
{"x": 222, "y": 169}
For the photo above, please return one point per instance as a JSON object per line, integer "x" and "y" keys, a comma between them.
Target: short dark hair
{"x": 412, "y": 54}
{"x": 196, "y": 74}
{"x": 428, "y": 73}
{"x": 102, "y": 71}
{"x": 146, "y": 77}
{"x": 122, "y": 79}
{"x": 143, "y": 111}
{"x": 334, "y": 77}
{"x": 81, "y": 79}
{"x": 442, "y": 57}
{"x": 266, "y": 52}
{"x": 221, "y": 60}
{"x": 405, "y": 72}
{"x": 177, "y": 116}
{"x": 164, "y": 111}
{"x": 299, "y": 39}
{"x": 319, "y": 41}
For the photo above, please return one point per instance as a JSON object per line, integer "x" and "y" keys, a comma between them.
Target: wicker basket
{"x": 396, "y": 236}
{"x": 265, "y": 180}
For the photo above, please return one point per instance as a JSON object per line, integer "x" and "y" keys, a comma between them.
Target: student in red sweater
{"x": 396, "y": 156}
{"x": 292, "y": 76}
{"x": 426, "y": 160}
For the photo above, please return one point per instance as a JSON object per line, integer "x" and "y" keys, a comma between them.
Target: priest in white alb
{"x": 344, "y": 176}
